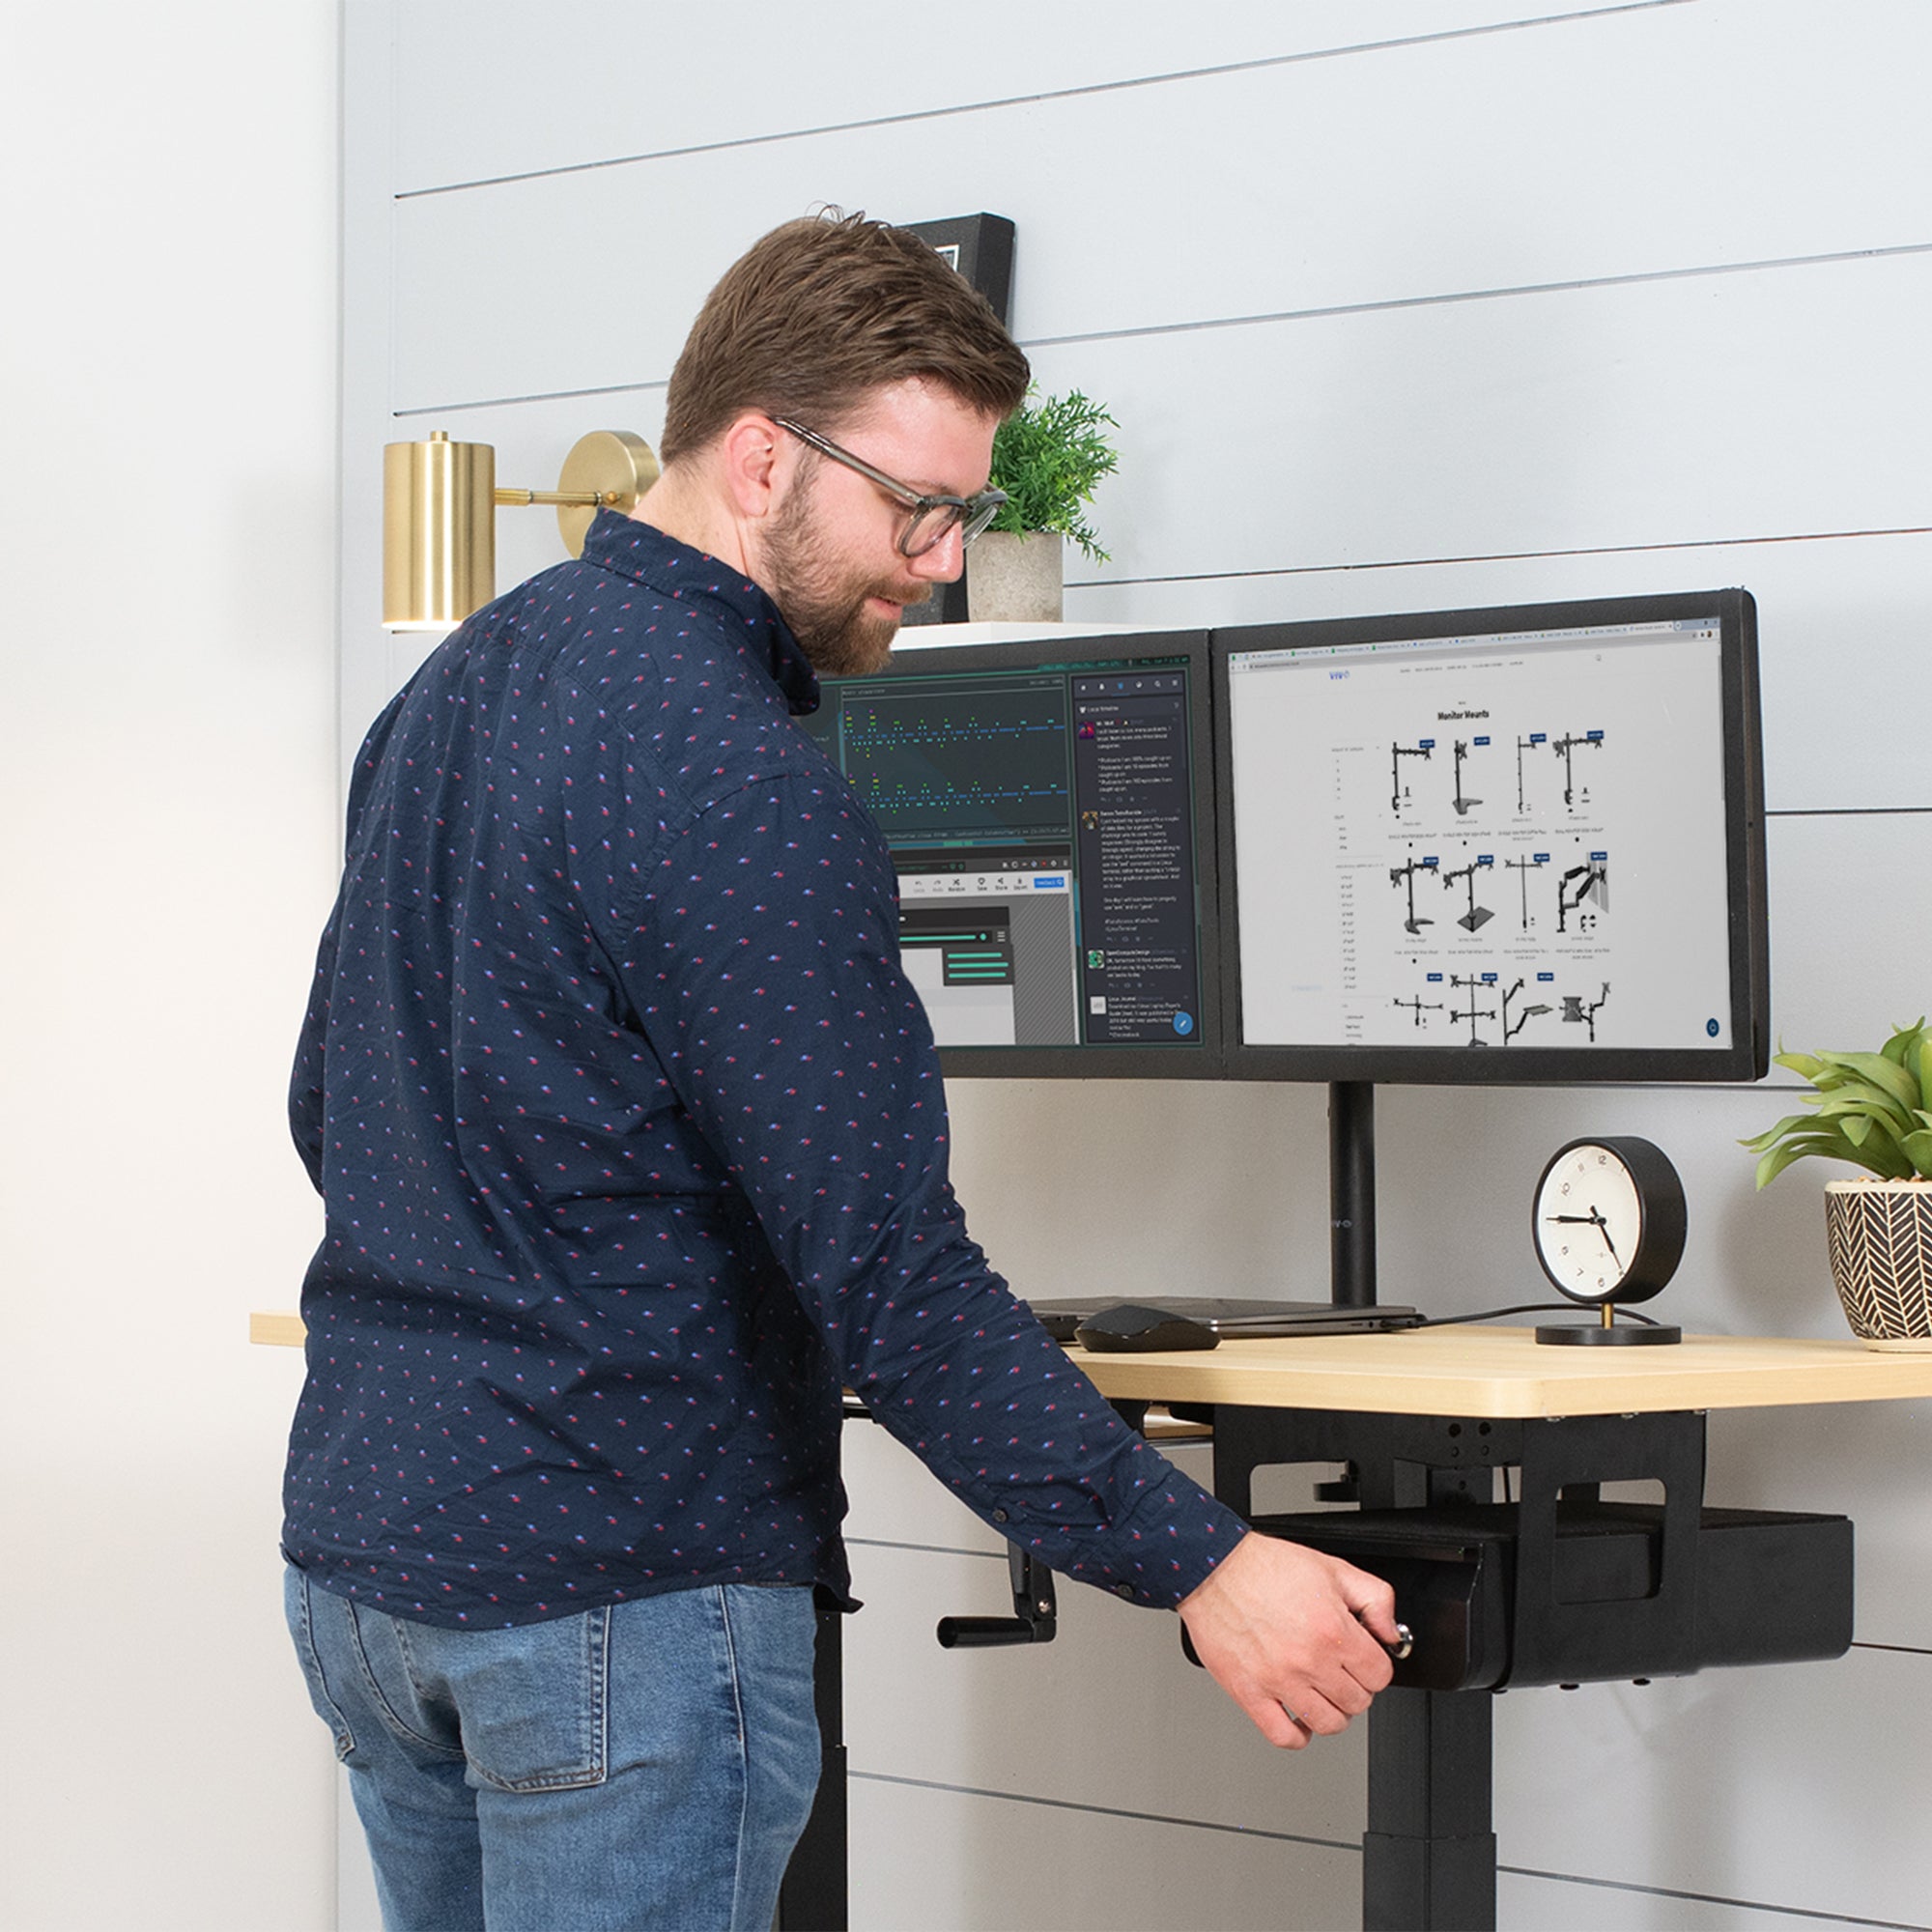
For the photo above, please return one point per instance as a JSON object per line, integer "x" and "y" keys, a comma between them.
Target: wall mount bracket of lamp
{"x": 440, "y": 502}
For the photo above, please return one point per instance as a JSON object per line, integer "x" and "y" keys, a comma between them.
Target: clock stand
{"x": 1607, "y": 1332}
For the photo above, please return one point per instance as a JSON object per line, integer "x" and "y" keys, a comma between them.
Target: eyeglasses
{"x": 933, "y": 518}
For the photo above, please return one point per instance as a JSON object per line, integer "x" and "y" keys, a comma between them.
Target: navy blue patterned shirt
{"x": 632, "y": 1146}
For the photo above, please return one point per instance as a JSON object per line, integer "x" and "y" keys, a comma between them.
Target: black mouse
{"x": 1134, "y": 1327}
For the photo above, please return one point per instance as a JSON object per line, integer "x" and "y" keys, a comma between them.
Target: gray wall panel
{"x": 1658, "y": 412}
{"x": 1588, "y": 149}
{"x": 1056, "y": 1720}
{"x": 1772, "y": 1787}
{"x": 1531, "y": 1902}
{"x": 489, "y": 87}
{"x": 960, "y": 1862}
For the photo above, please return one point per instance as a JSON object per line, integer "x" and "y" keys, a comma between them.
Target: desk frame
{"x": 1426, "y": 1417}
{"x": 1429, "y": 1852}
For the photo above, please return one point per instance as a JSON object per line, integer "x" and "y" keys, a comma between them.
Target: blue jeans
{"x": 646, "y": 1765}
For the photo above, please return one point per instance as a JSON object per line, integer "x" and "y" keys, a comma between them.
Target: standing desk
{"x": 1423, "y": 1418}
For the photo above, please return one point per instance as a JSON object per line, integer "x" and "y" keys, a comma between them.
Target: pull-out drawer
{"x": 1488, "y": 1612}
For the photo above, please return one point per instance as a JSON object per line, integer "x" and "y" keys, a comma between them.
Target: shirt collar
{"x": 682, "y": 571}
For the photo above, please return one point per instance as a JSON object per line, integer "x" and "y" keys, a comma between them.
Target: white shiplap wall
{"x": 1402, "y": 305}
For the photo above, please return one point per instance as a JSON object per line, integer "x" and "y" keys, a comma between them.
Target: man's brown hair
{"x": 822, "y": 311}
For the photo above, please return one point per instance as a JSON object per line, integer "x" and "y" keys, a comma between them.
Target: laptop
{"x": 1229, "y": 1317}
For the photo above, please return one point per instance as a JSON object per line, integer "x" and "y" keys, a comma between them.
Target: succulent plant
{"x": 1871, "y": 1109}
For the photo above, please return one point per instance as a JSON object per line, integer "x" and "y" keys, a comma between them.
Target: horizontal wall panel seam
{"x": 1272, "y": 319}
{"x": 922, "y": 1548}
{"x": 535, "y": 396}
{"x": 1849, "y": 812}
{"x": 1387, "y": 304}
{"x": 1493, "y": 556}
{"x": 1179, "y": 76}
{"x": 1718, "y": 1899}
{"x": 1113, "y": 1812}
{"x": 1340, "y": 1845}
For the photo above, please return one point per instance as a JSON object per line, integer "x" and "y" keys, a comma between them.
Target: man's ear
{"x": 751, "y": 453}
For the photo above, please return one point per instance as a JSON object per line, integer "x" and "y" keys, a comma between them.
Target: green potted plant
{"x": 1047, "y": 457}
{"x": 1875, "y": 1111}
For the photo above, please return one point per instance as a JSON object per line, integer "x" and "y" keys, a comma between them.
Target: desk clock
{"x": 1608, "y": 1227}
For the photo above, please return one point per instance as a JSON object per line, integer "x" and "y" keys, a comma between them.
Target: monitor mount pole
{"x": 1351, "y": 1193}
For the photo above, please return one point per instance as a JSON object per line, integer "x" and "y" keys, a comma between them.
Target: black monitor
{"x": 1050, "y": 813}
{"x": 1516, "y": 844}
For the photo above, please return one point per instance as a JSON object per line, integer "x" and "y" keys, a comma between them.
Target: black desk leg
{"x": 812, "y": 1897}
{"x": 1429, "y": 1856}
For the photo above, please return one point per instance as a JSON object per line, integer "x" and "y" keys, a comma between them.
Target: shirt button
{"x": 1124, "y": 1591}
{"x": 999, "y": 1515}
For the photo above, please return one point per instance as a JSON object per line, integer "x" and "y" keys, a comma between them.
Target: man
{"x": 632, "y": 1143}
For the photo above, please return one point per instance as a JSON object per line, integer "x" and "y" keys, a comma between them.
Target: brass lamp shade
{"x": 439, "y": 531}
{"x": 439, "y": 503}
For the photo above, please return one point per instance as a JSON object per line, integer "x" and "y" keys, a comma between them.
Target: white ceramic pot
{"x": 1879, "y": 1236}
{"x": 1012, "y": 578}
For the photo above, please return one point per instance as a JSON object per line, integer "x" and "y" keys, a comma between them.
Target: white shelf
{"x": 925, "y": 637}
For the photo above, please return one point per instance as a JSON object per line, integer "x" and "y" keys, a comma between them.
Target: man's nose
{"x": 944, "y": 562}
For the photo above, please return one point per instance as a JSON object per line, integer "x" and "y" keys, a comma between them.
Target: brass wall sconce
{"x": 440, "y": 501}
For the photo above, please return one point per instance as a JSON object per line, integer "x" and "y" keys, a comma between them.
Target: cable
{"x": 1522, "y": 1308}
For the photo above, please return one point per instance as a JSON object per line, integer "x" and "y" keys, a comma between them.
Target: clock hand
{"x": 1603, "y": 1228}
{"x": 1595, "y": 1220}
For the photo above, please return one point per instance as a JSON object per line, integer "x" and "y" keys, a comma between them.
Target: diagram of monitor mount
{"x": 1406, "y": 873}
{"x": 1576, "y": 1012}
{"x": 1564, "y": 747}
{"x": 1512, "y": 1025}
{"x": 1524, "y": 1018}
{"x": 1477, "y": 916}
{"x": 1472, "y": 1013}
{"x": 1458, "y": 754}
{"x": 1524, "y": 745}
{"x": 1406, "y": 876}
{"x": 1582, "y": 891}
{"x": 1462, "y": 804}
{"x": 1524, "y": 867}
{"x": 1467, "y": 1009}
{"x": 1587, "y": 884}
{"x": 1400, "y": 752}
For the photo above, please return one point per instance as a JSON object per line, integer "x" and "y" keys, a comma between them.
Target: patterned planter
{"x": 1879, "y": 1234}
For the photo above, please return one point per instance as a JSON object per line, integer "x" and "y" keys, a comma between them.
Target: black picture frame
{"x": 980, "y": 246}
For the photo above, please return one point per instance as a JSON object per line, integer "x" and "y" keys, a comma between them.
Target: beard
{"x": 823, "y": 598}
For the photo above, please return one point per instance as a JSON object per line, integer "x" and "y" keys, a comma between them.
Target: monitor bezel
{"x": 923, "y": 654}
{"x": 1745, "y": 1057}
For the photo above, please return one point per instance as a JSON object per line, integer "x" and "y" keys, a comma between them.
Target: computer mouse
{"x": 1133, "y": 1326}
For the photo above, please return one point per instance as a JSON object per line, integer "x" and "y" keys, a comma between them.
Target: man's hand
{"x": 1291, "y": 1636}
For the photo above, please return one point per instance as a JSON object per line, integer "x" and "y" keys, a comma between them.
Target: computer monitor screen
{"x": 1518, "y": 844}
{"x": 1049, "y": 811}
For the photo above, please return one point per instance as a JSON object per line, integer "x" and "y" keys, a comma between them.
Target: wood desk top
{"x": 1476, "y": 1372}
{"x": 1504, "y": 1372}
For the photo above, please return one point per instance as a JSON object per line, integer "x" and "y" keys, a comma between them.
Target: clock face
{"x": 1609, "y": 1220}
